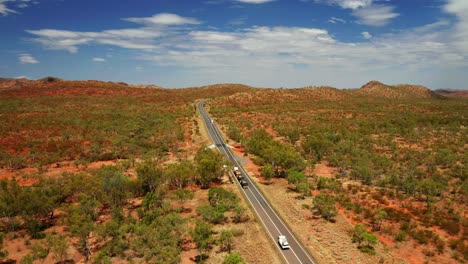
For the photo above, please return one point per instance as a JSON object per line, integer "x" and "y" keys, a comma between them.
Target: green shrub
{"x": 400, "y": 236}
{"x": 233, "y": 258}
{"x": 325, "y": 205}
{"x": 214, "y": 215}
{"x": 222, "y": 198}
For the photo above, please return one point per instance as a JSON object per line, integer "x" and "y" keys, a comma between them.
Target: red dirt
{"x": 324, "y": 170}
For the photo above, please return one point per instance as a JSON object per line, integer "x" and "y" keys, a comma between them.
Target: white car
{"x": 283, "y": 242}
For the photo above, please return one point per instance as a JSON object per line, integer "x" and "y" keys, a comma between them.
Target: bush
{"x": 233, "y": 258}
{"x": 400, "y": 236}
{"x": 219, "y": 197}
{"x": 102, "y": 257}
{"x": 240, "y": 214}
{"x": 325, "y": 205}
{"x": 3, "y": 254}
{"x": 35, "y": 228}
{"x": 361, "y": 236}
{"x": 451, "y": 226}
{"x": 423, "y": 236}
{"x": 214, "y": 215}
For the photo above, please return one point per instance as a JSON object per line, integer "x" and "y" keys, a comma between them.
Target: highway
{"x": 271, "y": 221}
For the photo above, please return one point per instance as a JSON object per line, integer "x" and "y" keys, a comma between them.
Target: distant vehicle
{"x": 211, "y": 120}
{"x": 244, "y": 184}
{"x": 283, "y": 242}
{"x": 236, "y": 172}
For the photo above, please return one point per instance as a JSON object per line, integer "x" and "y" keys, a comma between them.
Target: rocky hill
{"x": 9, "y": 83}
{"x": 404, "y": 91}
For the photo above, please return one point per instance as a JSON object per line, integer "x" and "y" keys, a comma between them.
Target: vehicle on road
{"x": 244, "y": 184}
{"x": 236, "y": 171}
{"x": 283, "y": 242}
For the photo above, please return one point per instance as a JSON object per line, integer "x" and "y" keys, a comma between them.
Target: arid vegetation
{"x": 133, "y": 209}
{"x": 398, "y": 152}
{"x": 396, "y": 155}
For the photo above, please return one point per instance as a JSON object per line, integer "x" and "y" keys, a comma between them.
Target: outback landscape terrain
{"x": 105, "y": 172}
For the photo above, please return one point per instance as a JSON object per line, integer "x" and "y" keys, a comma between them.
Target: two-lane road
{"x": 270, "y": 220}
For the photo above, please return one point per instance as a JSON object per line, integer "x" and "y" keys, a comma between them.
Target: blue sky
{"x": 263, "y": 43}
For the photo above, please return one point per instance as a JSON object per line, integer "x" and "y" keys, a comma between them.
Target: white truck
{"x": 283, "y": 242}
{"x": 237, "y": 172}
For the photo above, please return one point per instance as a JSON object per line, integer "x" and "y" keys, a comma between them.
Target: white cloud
{"x": 254, "y": 1}
{"x": 5, "y": 10}
{"x": 163, "y": 19}
{"x": 367, "y": 12}
{"x": 366, "y": 35}
{"x": 281, "y": 56}
{"x": 335, "y": 20}
{"x": 139, "y": 68}
{"x": 375, "y": 15}
{"x": 96, "y": 59}
{"x": 347, "y": 4}
{"x": 27, "y": 59}
{"x": 140, "y": 38}
{"x": 22, "y": 77}
{"x": 128, "y": 44}
{"x": 459, "y": 8}
{"x": 131, "y": 38}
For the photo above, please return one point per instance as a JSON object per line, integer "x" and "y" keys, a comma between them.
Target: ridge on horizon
{"x": 372, "y": 88}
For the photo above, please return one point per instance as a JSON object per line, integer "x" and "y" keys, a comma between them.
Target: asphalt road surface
{"x": 270, "y": 220}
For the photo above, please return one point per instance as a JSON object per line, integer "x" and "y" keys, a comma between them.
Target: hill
{"x": 453, "y": 93}
{"x": 403, "y": 91}
{"x": 8, "y": 83}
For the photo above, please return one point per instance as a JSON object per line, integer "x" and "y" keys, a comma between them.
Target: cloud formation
{"x": 5, "y": 10}
{"x": 347, "y": 4}
{"x": 335, "y": 20}
{"x": 96, "y": 59}
{"x": 366, "y": 35}
{"x": 459, "y": 8}
{"x": 254, "y": 1}
{"x": 27, "y": 59}
{"x": 366, "y": 11}
{"x": 375, "y": 15}
{"x": 163, "y": 19}
{"x": 295, "y": 52}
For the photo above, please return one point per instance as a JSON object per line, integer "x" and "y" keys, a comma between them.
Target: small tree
{"x": 149, "y": 176}
{"x": 81, "y": 223}
{"x": 360, "y": 235}
{"x": 226, "y": 240}
{"x": 202, "y": 235}
{"x": 370, "y": 240}
{"x": 325, "y": 205}
{"x": 38, "y": 251}
{"x": 379, "y": 217}
{"x": 58, "y": 246}
{"x": 209, "y": 166}
{"x": 359, "y": 230}
{"x": 268, "y": 172}
{"x": 295, "y": 177}
{"x": 3, "y": 254}
{"x": 239, "y": 214}
{"x": 179, "y": 175}
{"x": 234, "y": 258}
